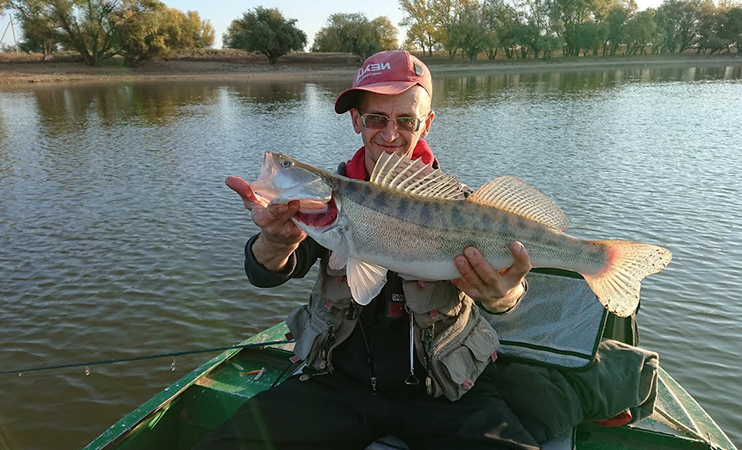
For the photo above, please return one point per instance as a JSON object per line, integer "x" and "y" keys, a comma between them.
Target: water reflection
{"x": 461, "y": 91}
{"x": 118, "y": 236}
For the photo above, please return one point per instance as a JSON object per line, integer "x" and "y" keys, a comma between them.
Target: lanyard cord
{"x": 370, "y": 356}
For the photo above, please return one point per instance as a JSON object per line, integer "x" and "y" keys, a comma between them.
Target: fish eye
{"x": 286, "y": 163}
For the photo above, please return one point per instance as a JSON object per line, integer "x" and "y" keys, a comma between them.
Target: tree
{"x": 616, "y": 21}
{"x": 732, "y": 31}
{"x": 711, "y": 29}
{"x": 266, "y": 31}
{"x": 354, "y": 33}
{"x": 422, "y": 18}
{"x": 39, "y": 31}
{"x": 590, "y": 36}
{"x": 147, "y": 28}
{"x": 679, "y": 21}
{"x": 469, "y": 32}
{"x": 83, "y": 26}
{"x": 640, "y": 30}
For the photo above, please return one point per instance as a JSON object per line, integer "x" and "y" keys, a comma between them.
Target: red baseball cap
{"x": 389, "y": 73}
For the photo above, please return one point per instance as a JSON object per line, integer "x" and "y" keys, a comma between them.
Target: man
{"x": 364, "y": 379}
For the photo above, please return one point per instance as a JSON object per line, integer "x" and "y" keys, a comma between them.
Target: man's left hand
{"x": 496, "y": 290}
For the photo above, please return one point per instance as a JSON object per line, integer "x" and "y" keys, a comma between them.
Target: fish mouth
{"x": 319, "y": 219}
{"x": 281, "y": 181}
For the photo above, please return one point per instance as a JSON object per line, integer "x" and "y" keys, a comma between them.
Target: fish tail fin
{"x": 618, "y": 282}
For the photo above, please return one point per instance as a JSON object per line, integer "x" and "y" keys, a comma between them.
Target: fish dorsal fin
{"x": 414, "y": 177}
{"x": 518, "y": 197}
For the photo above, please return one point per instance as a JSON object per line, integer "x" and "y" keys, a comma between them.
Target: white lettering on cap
{"x": 371, "y": 69}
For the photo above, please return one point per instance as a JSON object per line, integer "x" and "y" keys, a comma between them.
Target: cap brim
{"x": 347, "y": 99}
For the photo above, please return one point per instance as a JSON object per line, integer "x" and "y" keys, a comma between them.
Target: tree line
{"x": 136, "y": 30}
{"x": 541, "y": 27}
{"x": 518, "y": 28}
{"x": 139, "y": 30}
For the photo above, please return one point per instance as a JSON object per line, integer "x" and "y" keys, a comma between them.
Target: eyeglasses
{"x": 378, "y": 122}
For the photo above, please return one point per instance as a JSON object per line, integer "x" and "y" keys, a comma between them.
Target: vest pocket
{"x": 458, "y": 363}
{"x": 309, "y": 334}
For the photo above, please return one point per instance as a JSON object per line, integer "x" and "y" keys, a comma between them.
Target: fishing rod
{"x": 20, "y": 372}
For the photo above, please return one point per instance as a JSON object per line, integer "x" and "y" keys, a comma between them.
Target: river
{"x": 118, "y": 237}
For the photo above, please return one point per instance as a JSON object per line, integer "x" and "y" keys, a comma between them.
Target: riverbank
{"x": 307, "y": 65}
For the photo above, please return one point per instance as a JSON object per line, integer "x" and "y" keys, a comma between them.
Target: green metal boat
{"x": 180, "y": 415}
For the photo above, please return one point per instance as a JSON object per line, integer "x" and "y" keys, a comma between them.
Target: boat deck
{"x": 181, "y": 414}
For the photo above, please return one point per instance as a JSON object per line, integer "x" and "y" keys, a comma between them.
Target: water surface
{"x": 118, "y": 237}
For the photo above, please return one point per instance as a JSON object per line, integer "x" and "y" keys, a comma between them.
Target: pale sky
{"x": 311, "y": 15}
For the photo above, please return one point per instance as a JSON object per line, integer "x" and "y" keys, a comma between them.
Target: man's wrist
{"x": 273, "y": 257}
{"x": 503, "y": 305}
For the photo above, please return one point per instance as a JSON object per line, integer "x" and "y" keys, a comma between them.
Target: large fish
{"x": 413, "y": 219}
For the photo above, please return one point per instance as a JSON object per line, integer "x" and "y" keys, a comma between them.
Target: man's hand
{"x": 279, "y": 236}
{"x": 496, "y": 290}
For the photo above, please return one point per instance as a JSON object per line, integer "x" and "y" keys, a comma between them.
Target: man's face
{"x": 414, "y": 102}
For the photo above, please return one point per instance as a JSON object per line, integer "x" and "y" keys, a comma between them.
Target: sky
{"x": 310, "y": 15}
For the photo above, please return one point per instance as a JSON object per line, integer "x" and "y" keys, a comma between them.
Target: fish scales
{"x": 399, "y": 230}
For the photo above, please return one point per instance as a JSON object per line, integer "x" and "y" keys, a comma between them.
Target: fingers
{"x": 274, "y": 217}
{"x": 480, "y": 280}
{"x": 244, "y": 190}
{"x": 522, "y": 264}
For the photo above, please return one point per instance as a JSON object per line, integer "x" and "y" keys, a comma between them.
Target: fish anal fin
{"x": 414, "y": 177}
{"x": 617, "y": 284}
{"x": 365, "y": 280}
{"x": 518, "y": 197}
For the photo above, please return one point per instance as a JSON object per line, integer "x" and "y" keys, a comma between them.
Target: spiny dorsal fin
{"x": 415, "y": 178}
{"x": 515, "y": 196}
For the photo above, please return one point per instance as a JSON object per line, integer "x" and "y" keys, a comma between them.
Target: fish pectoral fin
{"x": 339, "y": 257}
{"x": 365, "y": 280}
{"x": 414, "y": 177}
{"x": 518, "y": 197}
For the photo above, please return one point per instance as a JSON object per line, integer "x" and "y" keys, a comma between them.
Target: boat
{"x": 178, "y": 416}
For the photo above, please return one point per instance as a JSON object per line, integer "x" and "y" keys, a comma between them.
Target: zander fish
{"x": 413, "y": 219}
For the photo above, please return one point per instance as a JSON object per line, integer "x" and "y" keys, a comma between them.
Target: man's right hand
{"x": 279, "y": 236}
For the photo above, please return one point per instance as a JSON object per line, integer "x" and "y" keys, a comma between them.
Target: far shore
{"x": 18, "y": 71}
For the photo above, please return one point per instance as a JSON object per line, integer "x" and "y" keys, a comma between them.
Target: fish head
{"x": 283, "y": 179}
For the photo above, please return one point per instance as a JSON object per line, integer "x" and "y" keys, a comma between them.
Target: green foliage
{"x": 679, "y": 22}
{"x": 40, "y": 34}
{"x": 640, "y": 31}
{"x": 147, "y": 28}
{"x": 354, "y": 33}
{"x": 83, "y": 26}
{"x": 427, "y": 21}
{"x": 732, "y": 31}
{"x": 590, "y": 36}
{"x": 266, "y": 31}
{"x": 616, "y": 22}
{"x": 710, "y": 30}
{"x": 470, "y": 33}
{"x": 99, "y": 29}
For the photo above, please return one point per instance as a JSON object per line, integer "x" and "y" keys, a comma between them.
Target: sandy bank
{"x": 307, "y": 66}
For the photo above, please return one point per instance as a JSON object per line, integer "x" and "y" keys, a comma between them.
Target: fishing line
{"x": 139, "y": 358}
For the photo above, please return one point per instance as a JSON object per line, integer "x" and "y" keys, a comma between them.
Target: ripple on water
{"x": 119, "y": 238}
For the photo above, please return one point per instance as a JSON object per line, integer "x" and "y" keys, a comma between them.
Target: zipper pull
{"x": 373, "y": 384}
